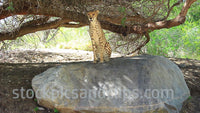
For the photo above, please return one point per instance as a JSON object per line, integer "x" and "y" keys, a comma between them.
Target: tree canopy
{"x": 125, "y": 17}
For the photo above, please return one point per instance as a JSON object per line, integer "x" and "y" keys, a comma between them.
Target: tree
{"x": 137, "y": 17}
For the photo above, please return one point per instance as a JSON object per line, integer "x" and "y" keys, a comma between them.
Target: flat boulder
{"x": 124, "y": 85}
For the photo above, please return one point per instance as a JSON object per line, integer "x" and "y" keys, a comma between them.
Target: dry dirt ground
{"x": 17, "y": 68}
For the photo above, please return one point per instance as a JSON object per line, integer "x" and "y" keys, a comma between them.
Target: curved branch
{"x": 176, "y": 4}
{"x": 180, "y": 19}
{"x": 26, "y": 28}
{"x": 142, "y": 45}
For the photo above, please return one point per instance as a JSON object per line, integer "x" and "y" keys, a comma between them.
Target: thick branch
{"x": 180, "y": 19}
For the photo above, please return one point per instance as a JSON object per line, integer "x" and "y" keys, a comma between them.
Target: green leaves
{"x": 123, "y": 11}
{"x": 190, "y": 97}
{"x": 36, "y": 109}
{"x": 55, "y": 110}
{"x": 123, "y": 21}
{"x": 10, "y": 7}
{"x": 35, "y": 100}
{"x": 181, "y": 41}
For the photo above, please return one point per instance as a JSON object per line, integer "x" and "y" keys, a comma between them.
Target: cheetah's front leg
{"x": 95, "y": 55}
{"x": 94, "y": 51}
{"x": 101, "y": 54}
{"x": 107, "y": 51}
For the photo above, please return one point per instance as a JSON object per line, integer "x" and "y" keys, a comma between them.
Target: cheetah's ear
{"x": 97, "y": 11}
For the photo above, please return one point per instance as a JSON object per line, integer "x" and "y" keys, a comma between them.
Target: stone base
{"x": 123, "y": 85}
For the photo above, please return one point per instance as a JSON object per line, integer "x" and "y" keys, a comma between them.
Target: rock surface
{"x": 123, "y": 85}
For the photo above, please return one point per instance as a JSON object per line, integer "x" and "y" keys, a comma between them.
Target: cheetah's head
{"x": 92, "y": 15}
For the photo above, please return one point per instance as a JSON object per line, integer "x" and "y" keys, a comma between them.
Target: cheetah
{"x": 101, "y": 47}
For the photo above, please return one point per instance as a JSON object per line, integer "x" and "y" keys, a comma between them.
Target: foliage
{"x": 181, "y": 41}
{"x": 35, "y": 100}
{"x": 10, "y": 7}
{"x": 36, "y": 109}
{"x": 55, "y": 110}
{"x": 78, "y": 39}
{"x": 123, "y": 11}
{"x": 64, "y": 38}
{"x": 190, "y": 97}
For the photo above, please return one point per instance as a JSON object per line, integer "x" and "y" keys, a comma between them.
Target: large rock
{"x": 123, "y": 85}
